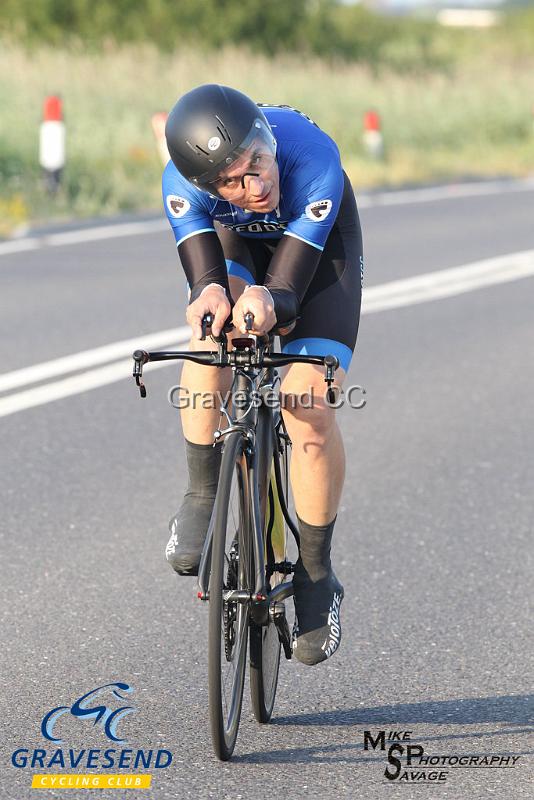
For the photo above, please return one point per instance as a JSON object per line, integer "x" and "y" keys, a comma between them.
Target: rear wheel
{"x": 264, "y": 666}
{"x": 231, "y": 571}
{"x": 264, "y": 640}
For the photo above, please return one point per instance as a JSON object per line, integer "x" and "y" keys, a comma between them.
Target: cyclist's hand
{"x": 258, "y": 301}
{"x": 211, "y": 300}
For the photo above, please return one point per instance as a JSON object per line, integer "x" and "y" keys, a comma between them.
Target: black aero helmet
{"x": 209, "y": 128}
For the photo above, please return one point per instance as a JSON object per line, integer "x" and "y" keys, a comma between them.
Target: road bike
{"x": 244, "y": 571}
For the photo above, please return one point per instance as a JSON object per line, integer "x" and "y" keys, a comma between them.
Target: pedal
{"x": 282, "y": 567}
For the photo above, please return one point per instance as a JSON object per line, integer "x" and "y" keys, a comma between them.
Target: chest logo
{"x": 260, "y": 226}
{"x": 178, "y": 206}
{"x": 318, "y": 210}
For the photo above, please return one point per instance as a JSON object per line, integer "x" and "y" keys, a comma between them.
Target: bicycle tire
{"x": 229, "y": 622}
{"x": 265, "y": 644}
{"x": 264, "y": 667}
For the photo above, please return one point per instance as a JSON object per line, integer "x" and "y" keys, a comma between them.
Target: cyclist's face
{"x": 252, "y": 181}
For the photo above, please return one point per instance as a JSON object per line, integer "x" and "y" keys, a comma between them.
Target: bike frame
{"x": 255, "y": 375}
{"x": 258, "y": 422}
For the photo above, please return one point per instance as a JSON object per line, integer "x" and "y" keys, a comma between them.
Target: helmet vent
{"x": 223, "y": 130}
{"x": 196, "y": 149}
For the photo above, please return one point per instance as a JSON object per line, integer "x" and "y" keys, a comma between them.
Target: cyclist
{"x": 266, "y": 222}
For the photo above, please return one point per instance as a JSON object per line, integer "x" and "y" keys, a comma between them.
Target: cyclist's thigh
{"x": 330, "y": 312}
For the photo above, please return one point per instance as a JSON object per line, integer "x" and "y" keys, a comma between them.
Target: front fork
{"x": 267, "y": 443}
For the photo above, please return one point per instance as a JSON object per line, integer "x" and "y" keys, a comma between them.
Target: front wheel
{"x": 228, "y": 618}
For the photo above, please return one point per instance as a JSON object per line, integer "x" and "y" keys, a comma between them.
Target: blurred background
{"x": 449, "y": 84}
{"x": 434, "y": 537}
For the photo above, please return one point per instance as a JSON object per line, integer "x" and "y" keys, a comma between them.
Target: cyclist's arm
{"x": 203, "y": 261}
{"x": 290, "y": 273}
{"x": 317, "y": 184}
{"x": 199, "y": 248}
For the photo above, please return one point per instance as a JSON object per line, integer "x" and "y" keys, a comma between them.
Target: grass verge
{"x": 474, "y": 120}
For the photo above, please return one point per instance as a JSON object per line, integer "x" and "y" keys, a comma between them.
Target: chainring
{"x": 230, "y": 608}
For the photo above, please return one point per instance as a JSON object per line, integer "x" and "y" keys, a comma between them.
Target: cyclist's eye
{"x": 230, "y": 183}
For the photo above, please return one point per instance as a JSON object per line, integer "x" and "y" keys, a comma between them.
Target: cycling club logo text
{"x": 105, "y": 708}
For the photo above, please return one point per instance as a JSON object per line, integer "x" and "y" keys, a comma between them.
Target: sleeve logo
{"x": 318, "y": 210}
{"x": 178, "y": 206}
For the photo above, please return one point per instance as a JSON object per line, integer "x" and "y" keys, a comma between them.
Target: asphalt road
{"x": 433, "y": 542}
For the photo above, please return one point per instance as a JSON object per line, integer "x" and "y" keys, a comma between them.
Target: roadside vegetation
{"x": 453, "y": 103}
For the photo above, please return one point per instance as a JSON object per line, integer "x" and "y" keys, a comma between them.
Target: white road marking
{"x": 76, "y": 384}
{"x": 106, "y": 232}
{"x": 394, "y": 294}
{"x": 448, "y": 282}
{"x": 18, "y": 246}
{"x": 82, "y": 235}
{"x": 365, "y": 200}
{"x": 90, "y": 358}
{"x": 451, "y": 191}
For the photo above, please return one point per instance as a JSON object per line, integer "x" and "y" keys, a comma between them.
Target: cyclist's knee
{"x": 308, "y": 415}
{"x": 314, "y": 422}
{"x": 305, "y": 405}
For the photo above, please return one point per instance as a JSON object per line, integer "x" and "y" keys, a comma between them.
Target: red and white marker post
{"x": 52, "y": 143}
{"x": 159, "y": 121}
{"x": 372, "y": 134}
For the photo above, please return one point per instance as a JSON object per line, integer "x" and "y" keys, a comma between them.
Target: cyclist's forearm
{"x": 207, "y": 279}
{"x": 286, "y": 304}
{"x": 289, "y": 275}
{"x": 203, "y": 262}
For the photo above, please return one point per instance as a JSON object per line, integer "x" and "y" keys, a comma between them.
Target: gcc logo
{"x": 104, "y": 716}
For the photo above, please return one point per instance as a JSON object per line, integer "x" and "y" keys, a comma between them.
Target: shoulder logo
{"x": 318, "y": 210}
{"x": 178, "y": 206}
{"x": 214, "y": 143}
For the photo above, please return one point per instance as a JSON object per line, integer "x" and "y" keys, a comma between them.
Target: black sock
{"x": 315, "y": 543}
{"x": 190, "y": 524}
{"x": 203, "y": 465}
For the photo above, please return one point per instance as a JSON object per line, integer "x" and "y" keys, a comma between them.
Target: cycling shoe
{"x": 317, "y": 629}
{"x": 190, "y": 524}
{"x": 188, "y": 528}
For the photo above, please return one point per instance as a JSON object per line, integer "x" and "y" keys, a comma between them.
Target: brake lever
{"x": 207, "y": 322}
{"x": 140, "y": 357}
{"x": 331, "y": 364}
